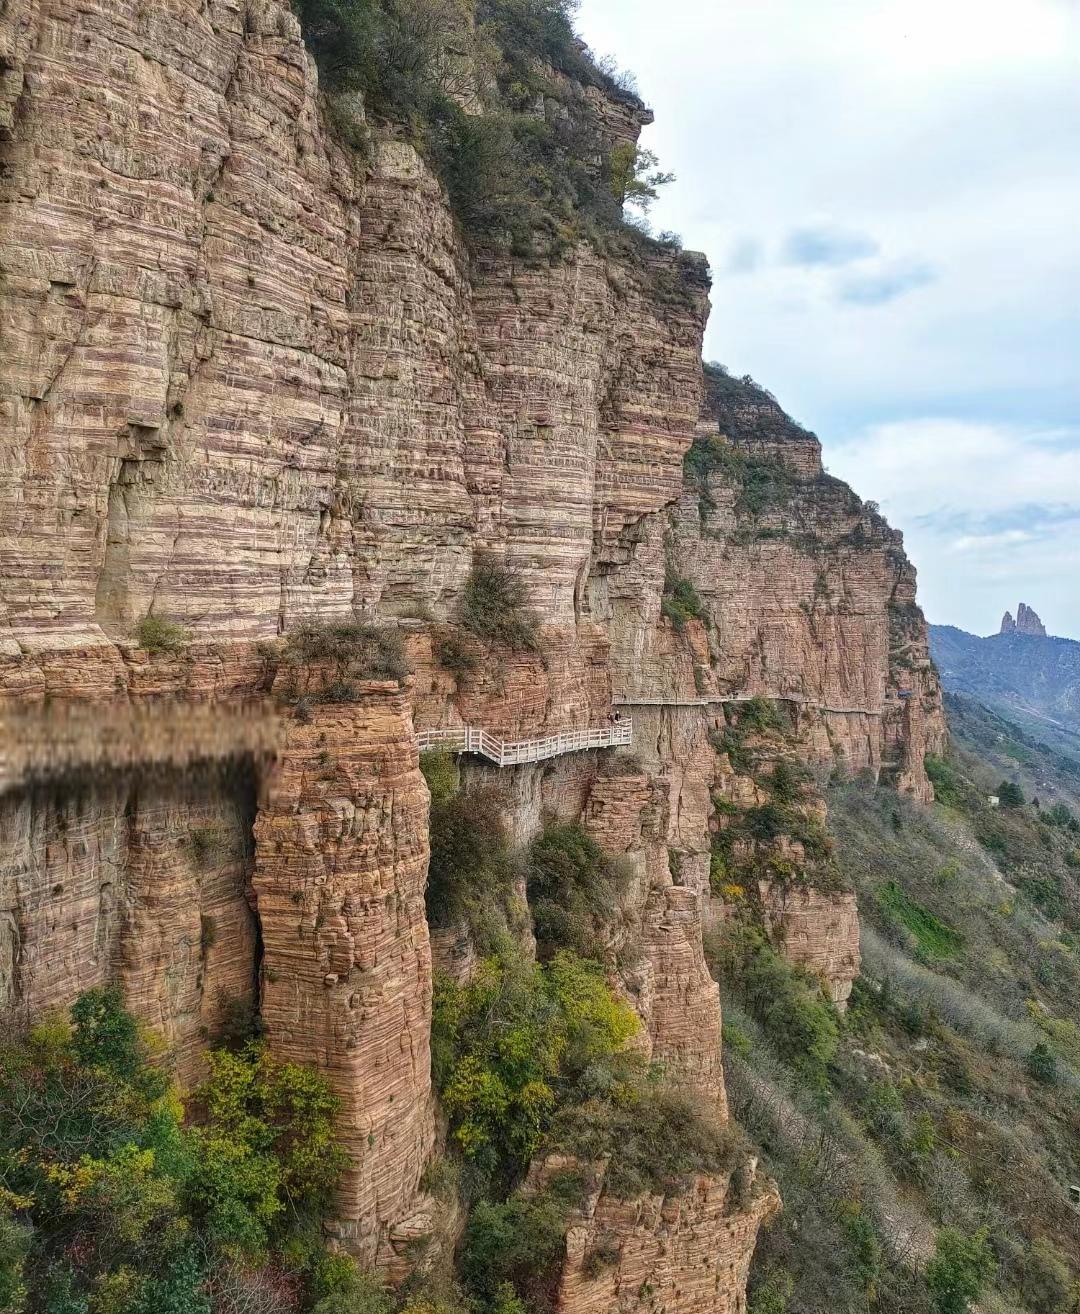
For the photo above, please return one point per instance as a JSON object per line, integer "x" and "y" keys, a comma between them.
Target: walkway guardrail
{"x": 470, "y": 739}
{"x": 800, "y": 700}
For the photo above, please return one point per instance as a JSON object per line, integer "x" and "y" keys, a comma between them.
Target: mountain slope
{"x": 1038, "y": 675}
{"x": 947, "y": 1098}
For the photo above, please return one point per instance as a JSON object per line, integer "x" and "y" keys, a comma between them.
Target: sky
{"x": 889, "y": 195}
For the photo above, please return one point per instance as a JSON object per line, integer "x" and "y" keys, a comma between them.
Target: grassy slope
{"x": 931, "y": 1115}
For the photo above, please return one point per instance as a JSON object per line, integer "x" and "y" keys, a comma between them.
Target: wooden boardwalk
{"x": 504, "y": 753}
{"x": 798, "y": 699}
{"x": 471, "y": 739}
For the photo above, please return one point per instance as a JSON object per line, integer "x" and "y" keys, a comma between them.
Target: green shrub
{"x": 960, "y": 1267}
{"x": 788, "y": 781}
{"x": 1041, "y": 1064}
{"x": 635, "y": 178}
{"x": 457, "y": 653}
{"x": 351, "y": 651}
{"x": 469, "y": 873}
{"x": 515, "y": 1247}
{"x": 344, "y": 1289}
{"x": 948, "y": 788}
{"x": 680, "y": 602}
{"x": 788, "y": 1003}
{"x": 441, "y": 773}
{"x": 93, "y": 1147}
{"x": 760, "y": 714}
{"x": 1046, "y": 1281}
{"x": 495, "y": 606}
{"x": 268, "y": 1141}
{"x": 158, "y": 635}
{"x": 653, "y": 1139}
{"x": 573, "y": 889}
{"x": 1010, "y": 795}
{"x": 506, "y": 1045}
{"x": 15, "y": 1242}
{"x": 771, "y": 1296}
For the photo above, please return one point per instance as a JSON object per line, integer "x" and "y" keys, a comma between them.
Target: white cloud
{"x": 991, "y": 514}
{"x": 945, "y": 131}
{"x": 987, "y": 542}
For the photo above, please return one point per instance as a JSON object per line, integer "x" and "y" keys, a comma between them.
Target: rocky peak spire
{"x": 1027, "y": 622}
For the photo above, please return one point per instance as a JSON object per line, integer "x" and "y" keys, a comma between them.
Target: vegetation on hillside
{"x": 573, "y": 890}
{"x": 782, "y": 838}
{"x": 534, "y": 1058}
{"x": 495, "y": 606}
{"x": 344, "y": 652}
{"x": 925, "y": 1142}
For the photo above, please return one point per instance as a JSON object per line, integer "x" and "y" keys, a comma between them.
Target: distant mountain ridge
{"x": 1024, "y": 669}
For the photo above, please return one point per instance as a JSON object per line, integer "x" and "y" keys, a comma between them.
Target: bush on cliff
{"x": 348, "y": 651}
{"x": 110, "y": 1201}
{"x": 440, "y": 774}
{"x": 788, "y": 1003}
{"x": 653, "y": 1139}
{"x": 495, "y": 606}
{"x": 531, "y": 184}
{"x": 680, "y": 602}
{"x": 512, "y": 1249}
{"x": 510, "y": 1044}
{"x": 573, "y": 889}
{"x": 158, "y": 635}
{"x": 960, "y": 1267}
{"x": 470, "y": 872}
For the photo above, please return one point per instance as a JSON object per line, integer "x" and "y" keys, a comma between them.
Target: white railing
{"x": 800, "y": 699}
{"x": 470, "y": 739}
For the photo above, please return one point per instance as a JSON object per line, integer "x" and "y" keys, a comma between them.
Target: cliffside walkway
{"x": 470, "y": 739}
{"x": 799, "y": 699}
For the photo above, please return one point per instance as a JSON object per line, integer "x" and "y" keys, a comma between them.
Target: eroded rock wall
{"x": 341, "y": 856}
{"x": 139, "y": 880}
{"x": 686, "y": 1253}
{"x": 251, "y": 377}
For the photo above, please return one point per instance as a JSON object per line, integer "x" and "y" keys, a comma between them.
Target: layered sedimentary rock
{"x": 250, "y": 377}
{"x": 685, "y": 1253}
{"x": 137, "y": 879}
{"x": 340, "y": 865}
{"x": 816, "y": 929}
{"x": 806, "y": 593}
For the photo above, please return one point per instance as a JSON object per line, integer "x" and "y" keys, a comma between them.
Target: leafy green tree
{"x": 268, "y": 1140}
{"x": 573, "y": 888}
{"x": 959, "y": 1269}
{"x": 110, "y": 1204}
{"x": 635, "y": 175}
{"x": 1010, "y": 795}
{"x": 508, "y": 1042}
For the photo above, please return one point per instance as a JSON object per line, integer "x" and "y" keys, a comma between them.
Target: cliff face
{"x": 687, "y": 1253}
{"x": 803, "y": 593}
{"x": 250, "y": 379}
{"x": 340, "y": 864}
